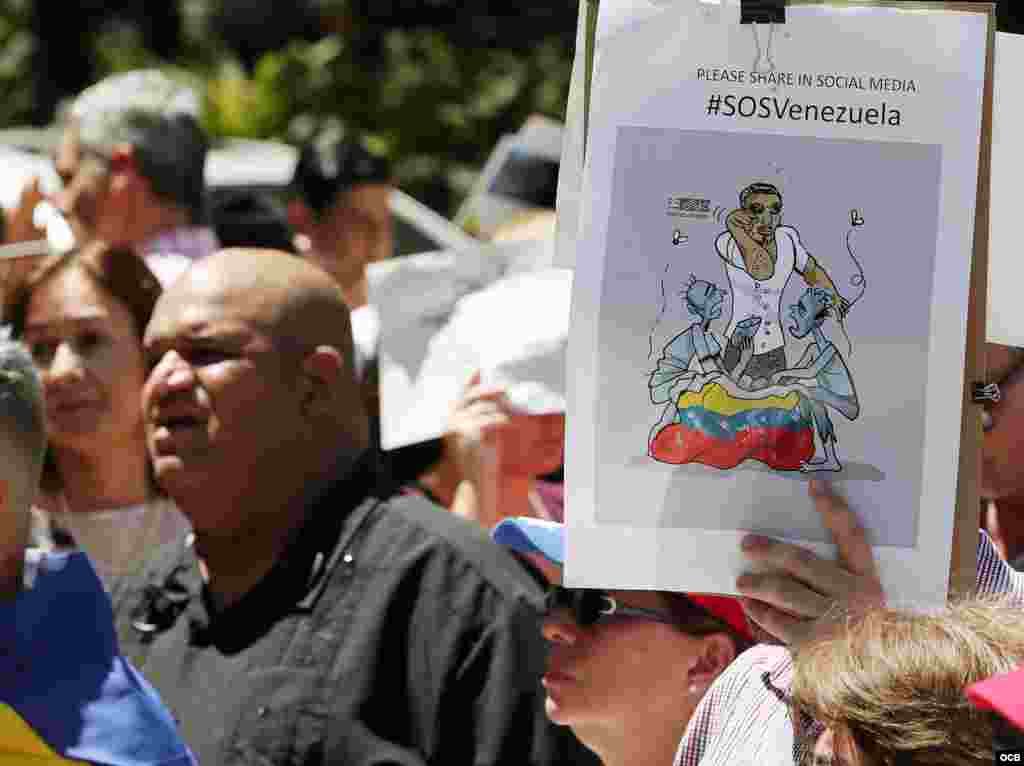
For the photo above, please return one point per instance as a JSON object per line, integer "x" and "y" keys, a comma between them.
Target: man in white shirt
{"x": 760, "y": 256}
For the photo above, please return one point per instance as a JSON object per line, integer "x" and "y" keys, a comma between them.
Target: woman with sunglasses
{"x": 626, "y": 669}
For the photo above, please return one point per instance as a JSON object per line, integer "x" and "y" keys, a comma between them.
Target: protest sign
{"x": 1005, "y": 324}
{"x": 570, "y": 169}
{"x": 773, "y": 282}
{"x": 520, "y": 176}
{"x": 1006, "y": 267}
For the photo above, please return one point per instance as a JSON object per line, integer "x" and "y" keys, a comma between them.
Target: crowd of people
{"x": 207, "y": 557}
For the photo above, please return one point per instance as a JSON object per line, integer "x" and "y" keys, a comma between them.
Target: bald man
{"x": 314, "y": 617}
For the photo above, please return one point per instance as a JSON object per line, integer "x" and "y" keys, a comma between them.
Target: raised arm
{"x": 816, "y": 276}
{"x": 756, "y": 258}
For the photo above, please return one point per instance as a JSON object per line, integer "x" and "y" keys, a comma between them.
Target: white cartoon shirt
{"x": 762, "y": 298}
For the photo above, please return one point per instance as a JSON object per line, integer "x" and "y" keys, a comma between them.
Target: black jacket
{"x": 389, "y": 633}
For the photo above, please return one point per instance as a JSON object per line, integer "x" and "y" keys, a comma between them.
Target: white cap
{"x": 446, "y": 315}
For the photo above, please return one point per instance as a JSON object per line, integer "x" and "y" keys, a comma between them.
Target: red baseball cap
{"x": 1003, "y": 694}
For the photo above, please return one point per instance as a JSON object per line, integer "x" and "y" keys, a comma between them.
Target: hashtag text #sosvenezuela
{"x": 774, "y": 108}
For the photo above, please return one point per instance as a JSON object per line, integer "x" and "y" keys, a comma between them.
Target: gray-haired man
{"x": 132, "y": 157}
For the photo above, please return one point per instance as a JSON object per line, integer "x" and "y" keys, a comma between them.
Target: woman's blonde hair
{"x": 891, "y": 683}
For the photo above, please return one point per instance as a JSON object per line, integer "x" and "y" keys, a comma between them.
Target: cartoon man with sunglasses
{"x": 760, "y": 256}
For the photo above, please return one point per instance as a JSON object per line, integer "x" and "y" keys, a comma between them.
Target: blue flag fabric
{"x": 66, "y": 693}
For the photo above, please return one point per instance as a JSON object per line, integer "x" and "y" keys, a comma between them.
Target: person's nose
{"x": 65, "y": 367}
{"x": 560, "y": 628}
{"x": 171, "y": 375}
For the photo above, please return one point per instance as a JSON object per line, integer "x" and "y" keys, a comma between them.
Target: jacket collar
{"x": 293, "y": 583}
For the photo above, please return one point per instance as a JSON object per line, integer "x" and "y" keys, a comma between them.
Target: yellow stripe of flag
{"x": 718, "y": 400}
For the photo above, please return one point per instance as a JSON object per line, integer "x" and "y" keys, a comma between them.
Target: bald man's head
{"x": 283, "y": 294}
{"x": 252, "y": 369}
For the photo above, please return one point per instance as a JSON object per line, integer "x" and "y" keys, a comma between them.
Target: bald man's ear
{"x": 322, "y": 368}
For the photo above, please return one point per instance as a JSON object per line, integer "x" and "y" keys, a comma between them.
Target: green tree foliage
{"x": 430, "y": 84}
{"x": 424, "y": 97}
{"x": 16, "y": 46}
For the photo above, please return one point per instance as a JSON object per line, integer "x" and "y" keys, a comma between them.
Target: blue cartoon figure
{"x": 821, "y": 376}
{"x": 694, "y": 354}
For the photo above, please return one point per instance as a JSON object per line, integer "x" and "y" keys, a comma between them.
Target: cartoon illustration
{"x": 708, "y": 417}
{"x": 760, "y": 256}
{"x": 821, "y": 376}
{"x": 695, "y": 353}
{"x": 731, "y": 398}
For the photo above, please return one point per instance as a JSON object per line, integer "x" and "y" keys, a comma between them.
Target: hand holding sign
{"x": 795, "y": 591}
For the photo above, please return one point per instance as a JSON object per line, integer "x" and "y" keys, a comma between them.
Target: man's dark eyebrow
{"x": 223, "y": 336}
{"x": 42, "y": 327}
{"x": 195, "y": 339}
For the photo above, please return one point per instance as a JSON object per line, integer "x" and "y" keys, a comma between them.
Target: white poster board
{"x": 1005, "y": 264}
{"x": 570, "y": 168}
{"x": 844, "y": 116}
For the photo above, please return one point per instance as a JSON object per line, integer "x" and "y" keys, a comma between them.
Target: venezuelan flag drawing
{"x": 716, "y": 427}
{"x": 67, "y": 696}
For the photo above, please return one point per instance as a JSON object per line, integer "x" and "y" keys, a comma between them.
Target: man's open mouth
{"x": 183, "y": 421}
{"x": 71, "y": 405}
{"x": 178, "y": 422}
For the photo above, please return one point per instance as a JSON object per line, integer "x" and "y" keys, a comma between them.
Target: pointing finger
{"x": 854, "y": 551}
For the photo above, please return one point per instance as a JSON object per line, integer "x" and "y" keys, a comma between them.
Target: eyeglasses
{"x": 590, "y": 607}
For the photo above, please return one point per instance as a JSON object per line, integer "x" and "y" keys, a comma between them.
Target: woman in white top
{"x": 82, "y": 316}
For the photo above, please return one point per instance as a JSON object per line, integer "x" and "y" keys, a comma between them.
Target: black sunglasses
{"x": 589, "y": 607}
